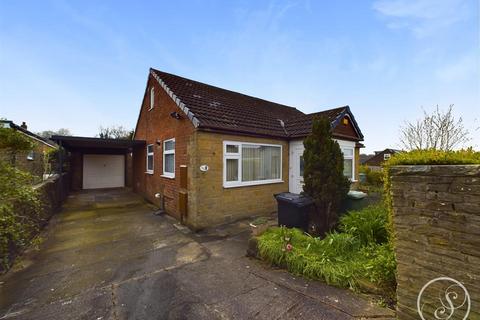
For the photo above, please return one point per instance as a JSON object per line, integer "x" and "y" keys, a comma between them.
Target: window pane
{"x": 302, "y": 165}
{"x": 232, "y": 169}
{"x": 170, "y": 163}
{"x": 149, "y": 148}
{"x": 347, "y": 152}
{"x": 150, "y": 162}
{"x": 152, "y": 97}
{"x": 348, "y": 168}
{"x": 169, "y": 145}
{"x": 232, "y": 148}
{"x": 260, "y": 163}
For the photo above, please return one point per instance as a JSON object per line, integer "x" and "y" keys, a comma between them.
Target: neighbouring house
{"x": 31, "y": 161}
{"x": 375, "y": 162}
{"x": 208, "y": 155}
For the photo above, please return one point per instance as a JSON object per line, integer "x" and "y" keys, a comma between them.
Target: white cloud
{"x": 423, "y": 17}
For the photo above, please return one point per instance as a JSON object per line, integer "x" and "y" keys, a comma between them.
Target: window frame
{"x": 386, "y": 156}
{"x": 165, "y": 174}
{"x": 150, "y": 171}
{"x": 238, "y": 156}
{"x": 31, "y": 155}
{"x": 352, "y": 157}
{"x": 152, "y": 98}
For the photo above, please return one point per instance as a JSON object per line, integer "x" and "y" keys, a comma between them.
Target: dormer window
{"x": 152, "y": 98}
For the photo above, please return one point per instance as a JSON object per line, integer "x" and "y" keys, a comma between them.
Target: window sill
{"x": 251, "y": 184}
{"x": 167, "y": 176}
{"x": 148, "y": 172}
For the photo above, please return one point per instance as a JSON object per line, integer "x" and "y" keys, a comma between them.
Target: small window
{"x": 150, "y": 158}
{"x": 152, "y": 98}
{"x": 31, "y": 155}
{"x": 348, "y": 163}
{"x": 232, "y": 148}
{"x": 386, "y": 156}
{"x": 169, "y": 158}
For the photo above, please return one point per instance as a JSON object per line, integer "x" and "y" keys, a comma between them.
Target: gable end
{"x": 177, "y": 100}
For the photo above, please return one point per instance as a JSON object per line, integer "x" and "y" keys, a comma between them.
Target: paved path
{"x": 106, "y": 256}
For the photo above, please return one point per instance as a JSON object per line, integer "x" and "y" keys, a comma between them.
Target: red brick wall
{"x": 153, "y": 125}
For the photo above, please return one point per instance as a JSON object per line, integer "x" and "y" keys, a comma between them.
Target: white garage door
{"x": 103, "y": 171}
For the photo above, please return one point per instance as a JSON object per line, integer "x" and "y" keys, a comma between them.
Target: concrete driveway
{"x": 107, "y": 256}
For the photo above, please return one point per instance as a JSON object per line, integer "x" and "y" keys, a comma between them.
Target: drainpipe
{"x": 60, "y": 161}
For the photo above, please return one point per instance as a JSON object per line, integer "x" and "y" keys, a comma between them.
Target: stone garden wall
{"x": 436, "y": 219}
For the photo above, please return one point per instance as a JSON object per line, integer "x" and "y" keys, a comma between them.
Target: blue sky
{"x": 83, "y": 64}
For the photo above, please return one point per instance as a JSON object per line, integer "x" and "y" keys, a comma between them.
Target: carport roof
{"x": 72, "y": 142}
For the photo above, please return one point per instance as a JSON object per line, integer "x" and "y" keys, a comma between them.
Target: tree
{"x": 439, "y": 130}
{"x": 323, "y": 174}
{"x": 11, "y": 142}
{"x": 60, "y": 132}
{"x": 115, "y": 132}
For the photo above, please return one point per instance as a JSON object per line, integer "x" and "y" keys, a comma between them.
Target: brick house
{"x": 376, "y": 161}
{"x": 212, "y": 155}
{"x": 31, "y": 161}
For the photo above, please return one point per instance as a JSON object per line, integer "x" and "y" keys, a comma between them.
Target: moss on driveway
{"x": 107, "y": 256}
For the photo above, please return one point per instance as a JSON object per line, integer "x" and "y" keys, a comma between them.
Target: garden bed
{"x": 357, "y": 256}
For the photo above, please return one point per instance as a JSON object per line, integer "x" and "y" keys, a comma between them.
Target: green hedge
{"x": 19, "y": 209}
{"x": 422, "y": 157}
{"x": 434, "y": 157}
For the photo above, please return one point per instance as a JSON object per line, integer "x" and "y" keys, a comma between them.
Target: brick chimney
{"x": 24, "y": 125}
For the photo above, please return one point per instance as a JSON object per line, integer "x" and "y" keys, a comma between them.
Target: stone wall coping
{"x": 437, "y": 170}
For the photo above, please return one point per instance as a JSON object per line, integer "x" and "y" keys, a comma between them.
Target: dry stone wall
{"x": 436, "y": 218}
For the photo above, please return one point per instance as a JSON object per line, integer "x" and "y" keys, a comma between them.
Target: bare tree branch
{"x": 438, "y": 130}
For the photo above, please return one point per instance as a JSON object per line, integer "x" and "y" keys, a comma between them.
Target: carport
{"x": 96, "y": 163}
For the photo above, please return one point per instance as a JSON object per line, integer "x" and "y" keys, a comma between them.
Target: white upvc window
{"x": 152, "y": 98}
{"x": 387, "y": 156}
{"x": 248, "y": 164}
{"x": 169, "y": 158}
{"x": 348, "y": 163}
{"x": 31, "y": 155}
{"x": 150, "y": 157}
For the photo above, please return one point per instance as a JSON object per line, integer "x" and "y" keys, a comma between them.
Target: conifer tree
{"x": 323, "y": 175}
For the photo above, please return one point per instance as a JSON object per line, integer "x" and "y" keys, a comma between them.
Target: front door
{"x": 296, "y": 167}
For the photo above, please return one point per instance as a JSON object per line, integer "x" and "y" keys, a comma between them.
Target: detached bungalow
{"x": 212, "y": 155}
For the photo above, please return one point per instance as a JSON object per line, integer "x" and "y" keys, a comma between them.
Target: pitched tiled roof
{"x": 302, "y": 126}
{"x": 214, "y": 108}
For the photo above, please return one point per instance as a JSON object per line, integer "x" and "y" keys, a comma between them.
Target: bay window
{"x": 169, "y": 158}
{"x": 251, "y": 163}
